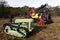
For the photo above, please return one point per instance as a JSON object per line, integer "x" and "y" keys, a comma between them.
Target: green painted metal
{"x": 25, "y": 24}
{"x": 23, "y": 20}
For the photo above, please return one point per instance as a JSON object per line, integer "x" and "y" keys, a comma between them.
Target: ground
{"x": 47, "y": 32}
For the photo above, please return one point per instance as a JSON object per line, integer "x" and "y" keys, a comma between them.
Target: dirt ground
{"x": 47, "y": 32}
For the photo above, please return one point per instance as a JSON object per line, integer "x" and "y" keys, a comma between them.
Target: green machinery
{"x": 19, "y": 28}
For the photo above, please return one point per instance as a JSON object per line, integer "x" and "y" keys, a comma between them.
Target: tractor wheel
{"x": 7, "y": 28}
{"x": 23, "y": 31}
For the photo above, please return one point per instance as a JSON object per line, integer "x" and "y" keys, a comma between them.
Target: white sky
{"x": 32, "y": 3}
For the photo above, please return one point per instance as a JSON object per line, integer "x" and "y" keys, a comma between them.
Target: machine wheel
{"x": 23, "y": 31}
{"x": 6, "y": 28}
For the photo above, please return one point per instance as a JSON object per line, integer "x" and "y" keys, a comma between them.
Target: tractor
{"x": 19, "y": 28}
{"x": 41, "y": 13}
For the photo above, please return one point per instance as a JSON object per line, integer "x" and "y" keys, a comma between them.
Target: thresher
{"x": 19, "y": 28}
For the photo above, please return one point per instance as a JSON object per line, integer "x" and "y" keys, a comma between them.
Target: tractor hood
{"x": 23, "y": 20}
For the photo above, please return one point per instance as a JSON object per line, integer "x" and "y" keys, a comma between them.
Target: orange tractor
{"x": 42, "y": 17}
{"x": 36, "y": 16}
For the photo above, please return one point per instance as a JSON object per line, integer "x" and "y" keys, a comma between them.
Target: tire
{"x": 24, "y": 31}
{"x": 6, "y": 28}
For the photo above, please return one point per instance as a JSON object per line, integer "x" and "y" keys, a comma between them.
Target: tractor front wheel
{"x": 6, "y": 28}
{"x": 23, "y": 31}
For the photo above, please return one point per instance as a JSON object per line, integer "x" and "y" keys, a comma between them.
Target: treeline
{"x": 7, "y": 11}
{"x": 55, "y": 11}
{"x": 10, "y": 11}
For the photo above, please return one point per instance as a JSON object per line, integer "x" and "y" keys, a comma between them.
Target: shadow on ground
{"x": 36, "y": 30}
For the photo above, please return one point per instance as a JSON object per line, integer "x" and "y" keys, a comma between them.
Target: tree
{"x": 4, "y": 9}
{"x": 24, "y": 10}
{"x": 57, "y": 10}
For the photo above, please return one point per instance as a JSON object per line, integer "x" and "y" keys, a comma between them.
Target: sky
{"x": 32, "y": 3}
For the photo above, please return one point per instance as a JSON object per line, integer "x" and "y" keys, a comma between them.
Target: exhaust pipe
{"x": 11, "y": 17}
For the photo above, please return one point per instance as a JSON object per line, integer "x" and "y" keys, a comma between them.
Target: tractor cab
{"x": 20, "y": 27}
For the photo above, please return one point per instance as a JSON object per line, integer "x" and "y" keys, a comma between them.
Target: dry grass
{"x": 50, "y": 32}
